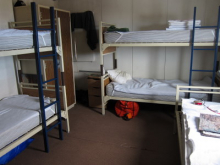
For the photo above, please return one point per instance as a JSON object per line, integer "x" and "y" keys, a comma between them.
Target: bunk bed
{"x": 109, "y": 41}
{"x": 195, "y": 148}
{"x": 39, "y": 105}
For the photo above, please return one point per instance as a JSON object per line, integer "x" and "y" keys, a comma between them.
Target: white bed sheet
{"x": 143, "y": 86}
{"x": 199, "y": 150}
{"x": 11, "y": 39}
{"x": 18, "y": 115}
{"x": 159, "y": 36}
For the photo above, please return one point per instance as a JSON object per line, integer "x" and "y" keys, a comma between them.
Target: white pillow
{"x": 118, "y": 76}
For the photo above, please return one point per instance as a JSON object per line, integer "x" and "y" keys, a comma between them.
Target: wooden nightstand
{"x": 94, "y": 91}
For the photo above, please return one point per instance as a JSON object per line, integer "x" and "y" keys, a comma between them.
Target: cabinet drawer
{"x": 95, "y": 101}
{"x": 94, "y": 83}
{"x": 94, "y": 91}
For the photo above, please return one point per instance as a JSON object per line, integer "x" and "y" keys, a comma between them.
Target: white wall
{"x": 7, "y": 74}
{"x": 149, "y": 62}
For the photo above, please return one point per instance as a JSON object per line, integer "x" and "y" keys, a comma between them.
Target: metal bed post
{"x": 40, "y": 81}
{"x": 212, "y": 49}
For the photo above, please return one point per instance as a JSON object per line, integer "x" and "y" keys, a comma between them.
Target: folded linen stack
{"x": 190, "y": 23}
{"x": 182, "y": 25}
{"x": 176, "y": 25}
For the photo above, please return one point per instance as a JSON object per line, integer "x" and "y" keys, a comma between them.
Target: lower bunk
{"x": 147, "y": 90}
{"x": 20, "y": 119}
{"x": 197, "y": 144}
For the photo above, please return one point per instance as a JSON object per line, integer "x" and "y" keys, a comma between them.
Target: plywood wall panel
{"x": 149, "y": 15}
{"x": 149, "y": 62}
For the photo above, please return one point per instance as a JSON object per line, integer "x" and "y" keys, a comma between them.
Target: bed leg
{"x": 174, "y": 125}
{"x": 67, "y": 123}
{"x": 103, "y": 108}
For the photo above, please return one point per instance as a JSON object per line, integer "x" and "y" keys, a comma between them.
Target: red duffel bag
{"x": 126, "y": 109}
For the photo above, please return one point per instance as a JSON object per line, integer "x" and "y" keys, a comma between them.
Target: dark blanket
{"x": 86, "y": 21}
{"x": 114, "y": 29}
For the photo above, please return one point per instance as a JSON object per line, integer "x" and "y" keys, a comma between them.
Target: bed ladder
{"x": 38, "y": 58}
{"x": 215, "y": 49}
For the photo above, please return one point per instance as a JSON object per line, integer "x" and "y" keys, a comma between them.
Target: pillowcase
{"x": 119, "y": 76}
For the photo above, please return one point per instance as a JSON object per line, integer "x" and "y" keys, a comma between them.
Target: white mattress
{"x": 18, "y": 115}
{"x": 21, "y": 39}
{"x": 151, "y": 89}
{"x": 152, "y": 36}
{"x": 199, "y": 150}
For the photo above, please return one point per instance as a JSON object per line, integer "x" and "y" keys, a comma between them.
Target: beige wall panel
{"x": 174, "y": 63}
{"x": 66, "y": 5}
{"x": 211, "y": 12}
{"x": 125, "y": 59}
{"x": 82, "y": 6}
{"x": 149, "y": 62}
{"x": 149, "y": 15}
{"x": 118, "y": 12}
{"x": 183, "y": 9}
{"x": 178, "y": 63}
{"x": 6, "y": 13}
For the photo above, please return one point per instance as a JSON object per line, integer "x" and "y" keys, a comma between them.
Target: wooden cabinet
{"x": 23, "y": 13}
{"x": 94, "y": 91}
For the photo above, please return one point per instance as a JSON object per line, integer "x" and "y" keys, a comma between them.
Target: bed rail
{"x": 189, "y": 89}
{"x": 106, "y": 48}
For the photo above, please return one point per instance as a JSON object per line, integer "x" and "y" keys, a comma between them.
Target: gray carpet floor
{"x": 94, "y": 139}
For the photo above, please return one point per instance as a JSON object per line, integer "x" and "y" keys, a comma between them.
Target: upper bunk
{"x": 18, "y": 40}
{"x": 154, "y": 38}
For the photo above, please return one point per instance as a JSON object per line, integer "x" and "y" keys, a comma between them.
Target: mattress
{"x": 151, "y": 89}
{"x": 199, "y": 149}
{"x": 18, "y": 115}
{"x": 11, "y": 39}
{"x": 159, "y": 36}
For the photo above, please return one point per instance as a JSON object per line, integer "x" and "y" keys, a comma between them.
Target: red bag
{"x": 126, "y": 109}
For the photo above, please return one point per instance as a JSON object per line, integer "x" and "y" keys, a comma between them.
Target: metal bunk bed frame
{"x": 107, "y": 48}
{"x": 41, "y": 84}
{"x": 40, "y": 81}
{"x": 215, "y": 49}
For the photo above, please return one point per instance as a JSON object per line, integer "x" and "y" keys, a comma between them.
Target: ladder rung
{"x": 49, "y": 55}
{"x": 206, "y": 26}
{"x": 202, "y": 70}
{"x": 50, "y": 104}
{"x": 204, "y": 49}
{"x": 44, "y": 82}
{"x": 53, "y": 126}
{"x": 44, "y": 29}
